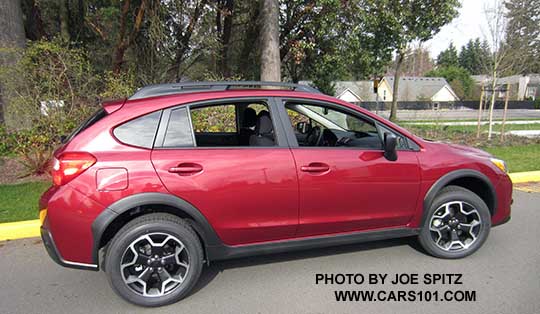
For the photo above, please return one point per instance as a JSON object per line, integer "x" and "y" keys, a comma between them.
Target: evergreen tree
{"x": 523, "y": 34}
{"x": 474, "y": 56}
{"x": 448, "y": 57}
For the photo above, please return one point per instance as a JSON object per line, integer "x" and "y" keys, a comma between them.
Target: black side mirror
{"x": 303, "y": 127}
{"x": 390, "y": 146}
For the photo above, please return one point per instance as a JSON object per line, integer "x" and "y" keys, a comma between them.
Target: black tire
{"x": 455, "y": 194}
{"x": 149, "y": 224}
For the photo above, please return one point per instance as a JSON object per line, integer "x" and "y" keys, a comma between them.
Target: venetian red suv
{"x": 180, "y": 175}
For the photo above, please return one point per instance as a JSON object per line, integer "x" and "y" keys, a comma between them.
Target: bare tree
{"x": 269, "y": 36}
{"x": 125, "y": 40}
{"x": 480, "y": 108}
{"x": 224, "y": 26}
{"x": 501, "y": 55}
{"x": 11, "y": 36}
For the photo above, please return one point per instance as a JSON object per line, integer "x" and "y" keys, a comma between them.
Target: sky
{"x": 470, "y": 24}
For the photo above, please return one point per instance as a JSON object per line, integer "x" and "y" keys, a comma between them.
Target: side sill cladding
{"x": 457, "y": 174}
{"x": 223, "y": 252}
{"x": 104, "y": 219}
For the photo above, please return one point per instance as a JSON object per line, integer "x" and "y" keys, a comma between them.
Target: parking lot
{"x": 504, "y": 275}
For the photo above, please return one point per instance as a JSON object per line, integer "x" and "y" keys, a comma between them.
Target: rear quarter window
{"x": 139, "y": 132}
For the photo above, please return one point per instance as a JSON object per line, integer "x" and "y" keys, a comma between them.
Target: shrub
{"x": 52, "y": 89}
{"x": 118, "y": 85}
{"x": 7, "y": 142}
{"x": 34, "y": 149}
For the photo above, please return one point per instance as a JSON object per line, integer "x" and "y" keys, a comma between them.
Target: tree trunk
{"x": 224, "y": 24}
{"x": 492, "y": 105}
{"x": 399, "y": 62}
{"x": 121, "y": 46}
{"x": 270, "y": 61}
{"x": 507, "y": 97}
{"x": 64, "y": 19}
{"x": 33, "y": 23}
{"x": 249, "y": 42}
{"x": 480, "y": 108}
{"x": 11, "y": 36}
{"x": 183, "y": 41}
{"x": 124, "y": 40}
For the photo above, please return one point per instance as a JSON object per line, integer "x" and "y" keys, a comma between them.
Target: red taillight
{"x": 69, "y": 165}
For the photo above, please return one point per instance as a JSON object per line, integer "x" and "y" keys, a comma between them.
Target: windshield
{"x": 338, "y": 120}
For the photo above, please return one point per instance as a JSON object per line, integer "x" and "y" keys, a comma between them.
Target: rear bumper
{"x": 66, "y": 229}
{"x": 507, "y": 219}
{"x": 50, "y": 246}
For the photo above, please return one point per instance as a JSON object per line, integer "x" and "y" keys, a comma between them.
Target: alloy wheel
{"x": 155, "y": 264}
{"x": 455, "y": 226}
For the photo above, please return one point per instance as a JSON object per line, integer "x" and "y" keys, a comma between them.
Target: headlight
{"x": 500, "y": 164}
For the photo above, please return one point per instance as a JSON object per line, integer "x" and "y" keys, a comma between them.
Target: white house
{"x": 355, "y": 91}
{"x": 434, "y": 89}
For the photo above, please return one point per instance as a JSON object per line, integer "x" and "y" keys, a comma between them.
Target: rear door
{"x": 345, "y": 182}
{"x": 248, "y": 194}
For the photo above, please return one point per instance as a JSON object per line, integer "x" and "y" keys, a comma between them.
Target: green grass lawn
{"x": 20, "y": 202}
{"x": 518, "y": 158}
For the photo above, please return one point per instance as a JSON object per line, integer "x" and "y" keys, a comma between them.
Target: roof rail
{"x": 188, "y": 87}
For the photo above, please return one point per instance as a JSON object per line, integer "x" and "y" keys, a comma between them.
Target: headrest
{"x": 250, "y": 118}
{"x": 264, "y": 113}
{"x": 265, "y": 125}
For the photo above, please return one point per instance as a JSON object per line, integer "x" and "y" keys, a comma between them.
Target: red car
{"x": 154, "y": 187}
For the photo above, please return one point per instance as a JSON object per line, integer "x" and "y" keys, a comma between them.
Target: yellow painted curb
{"x": 19, "y": 230}
{"x": 30, "y": 228}
{"x": 522, "y": 177}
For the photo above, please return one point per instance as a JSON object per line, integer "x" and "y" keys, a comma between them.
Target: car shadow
{"x": 212, "y": 271}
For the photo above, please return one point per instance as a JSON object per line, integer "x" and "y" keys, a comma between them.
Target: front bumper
{"x": 48, "y": 242}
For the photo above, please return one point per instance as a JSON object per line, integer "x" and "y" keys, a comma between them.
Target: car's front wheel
{"x": 456, "y": 225}
{"x": 154, "y": 260}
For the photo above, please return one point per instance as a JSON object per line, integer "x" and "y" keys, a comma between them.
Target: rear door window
{"x": 139, "y": 132}
{"x": 214, "y": 119}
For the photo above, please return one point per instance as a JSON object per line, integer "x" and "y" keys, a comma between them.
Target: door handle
{"x": 315, "y": 167}
{"x": 186, "y": 169}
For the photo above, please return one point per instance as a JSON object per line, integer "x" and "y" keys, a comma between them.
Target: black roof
{"x": 189, "y": 87}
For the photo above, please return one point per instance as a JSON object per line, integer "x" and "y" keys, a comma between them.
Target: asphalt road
{"x": 505, "y": 274}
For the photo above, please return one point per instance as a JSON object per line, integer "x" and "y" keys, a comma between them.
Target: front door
{"x": 345, "y": 182}
{"x": 248, "y": 193}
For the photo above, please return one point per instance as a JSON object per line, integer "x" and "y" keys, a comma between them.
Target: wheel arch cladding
{"x": 114, "y": 217}
{"x": 472, "y": 180}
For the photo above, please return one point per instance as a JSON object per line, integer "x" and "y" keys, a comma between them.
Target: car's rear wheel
{"x": 154, "y": 260}
{"x": 456, "y": 225}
